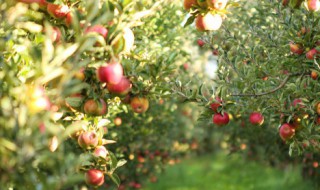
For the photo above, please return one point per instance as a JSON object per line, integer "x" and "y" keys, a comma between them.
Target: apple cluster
{"x": 108, "y": 78}
{"x": 208, "y": 14}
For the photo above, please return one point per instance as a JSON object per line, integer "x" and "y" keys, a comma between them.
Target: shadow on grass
{"x": 222, "y": 172}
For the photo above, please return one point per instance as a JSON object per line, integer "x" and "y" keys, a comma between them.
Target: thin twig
{"x": 284, "y": 82}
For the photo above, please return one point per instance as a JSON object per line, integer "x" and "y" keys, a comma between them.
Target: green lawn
{"x": 223, "y": 172}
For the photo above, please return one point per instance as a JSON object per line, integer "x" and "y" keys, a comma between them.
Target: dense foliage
{"x": 103, "y": 93}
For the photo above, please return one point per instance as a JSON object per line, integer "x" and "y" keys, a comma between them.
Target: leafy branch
{"x": 284, "y": 82}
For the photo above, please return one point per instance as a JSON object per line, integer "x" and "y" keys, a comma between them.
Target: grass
{"x": 221, "y": 172}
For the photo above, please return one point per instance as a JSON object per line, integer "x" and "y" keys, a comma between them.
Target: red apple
{"x": 208, "y": 22}
{"x": 256, "y": 118}
{"x": 92, "y": 107}
{"x": 94, "y": 177}
{"x": 187, "y": 4}
{"x": 296, "y": 48}
{"x": 98, "y": 29}
{"x": 88, "y": 140}
{"x": 312, "y": 5}
{"x": 221, "y": 119}
{"x": 69, "y": 18}
{"x": 286, "y": 131}
{"x": 215, "y": 52}
{"x": 311, "y": 54}
{"x": 57, "y": 11}
{"x": 100, "y": 151}
{"x": 214, "y": 106}
{"x": 122, "y": 88}
{"x": 217, "y": 4}
{"x": 200, "y": 42}
{"x": 117, "y": 121}
{"x": 139, "y": 104}
{"x": 314, "y": 75}
{"x": 111, "y": 74}
{"x": 297, "y": 102}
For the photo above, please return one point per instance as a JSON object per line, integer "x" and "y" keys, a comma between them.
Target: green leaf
{"x": 114, "y": 161}
{"x": 189, "y": 21}
{"x": 115, "y": 178}
{"x": 74, "y": 101}
{"x": 121, "y": 163}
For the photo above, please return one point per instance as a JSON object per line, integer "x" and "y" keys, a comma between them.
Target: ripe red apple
{"x": 296, "y": 102}
{"x": 217, "y": 4}
{"x": 312, "y": 5}
{"x": 69, "y": 18}
{"x": 94, "y": 177}
{"x": 100, "y": 151}
{"x": 214, "y": 106}
{"x": 296, "y": 48}
{"x": 187, "y": 4}
{"x": 57, "y": 11}
{"x": 221, "y": 119}
{"x": 111, "y": 74}
{"x": 122, "y": 88}
{"x": 200, "y": 42}
{"x": 88, "y": 140}
{"x": 215, "y": 52}
{"x": 286, "y": 131}
{"x": 92, "y": 107}
{"x": 208, "y": 22}
{"x": 256, "y": 118}
{"x": 311, "y": 54}
{"x": 314, "y": 75}
{"x": 98, "y": 29}
{"x": 139, "y": 104}
{"x": 117, "y": 121}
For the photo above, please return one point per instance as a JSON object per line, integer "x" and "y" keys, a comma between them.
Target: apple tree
{"x": 265, "y": 97}
{"x": 86, "y": 88}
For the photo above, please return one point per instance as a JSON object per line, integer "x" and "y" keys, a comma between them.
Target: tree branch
{"x": 284, "y": 82}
